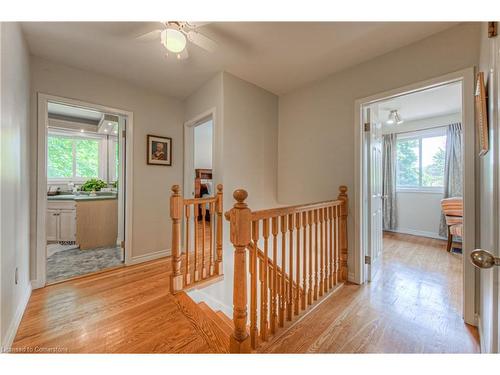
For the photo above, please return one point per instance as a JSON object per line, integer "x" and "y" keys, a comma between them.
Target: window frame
{"x": 419, "y": 135}
{"x": 102, "y": 155}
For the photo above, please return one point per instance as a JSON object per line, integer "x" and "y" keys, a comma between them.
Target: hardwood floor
{"x": 129, "y": 310}
{"x": 413, "y": 305}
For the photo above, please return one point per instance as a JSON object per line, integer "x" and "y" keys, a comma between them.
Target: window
{"x": 420, "y": 160}
{"x": 74, "y": 157}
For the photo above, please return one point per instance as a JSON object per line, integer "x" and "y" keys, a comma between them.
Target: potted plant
{"x": 93, "y": 185}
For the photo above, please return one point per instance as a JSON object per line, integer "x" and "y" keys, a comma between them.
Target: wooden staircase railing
{"x": 201, "y": 256}
{"x": 309, "y": 242}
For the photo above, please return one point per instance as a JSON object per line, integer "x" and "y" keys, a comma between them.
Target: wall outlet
{"x": 16, "y": 276}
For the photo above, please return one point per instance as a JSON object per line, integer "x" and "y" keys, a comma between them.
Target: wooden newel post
{"x": 218, "y": 243}
{"x": 240, "y": 223}
{"x": 176, "y": 205}
{"x": 343, "y": 231}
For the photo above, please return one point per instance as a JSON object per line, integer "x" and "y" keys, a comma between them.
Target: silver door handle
{"x": 484, "y": 259}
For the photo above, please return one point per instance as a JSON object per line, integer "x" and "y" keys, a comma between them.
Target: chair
{"x": 453, "y": 210}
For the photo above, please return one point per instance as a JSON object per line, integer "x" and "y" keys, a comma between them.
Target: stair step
{"x": 216, "y": 319}
{"x": 225, "y": 318}
{"x": 202, "y": 320}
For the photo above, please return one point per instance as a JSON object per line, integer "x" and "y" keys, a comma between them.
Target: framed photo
{"x": 481, "y": 114}
{"x": 159, "y": 150}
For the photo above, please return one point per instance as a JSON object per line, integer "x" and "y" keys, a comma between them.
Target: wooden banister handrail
{"x": 313, "y": 262}
{"x": 204, "y": 259}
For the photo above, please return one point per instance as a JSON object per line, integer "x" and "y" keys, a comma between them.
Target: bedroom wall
{"x": 15, "y": 287}
{"x": 316, "y": 135}
{"x": 153, "y": 114}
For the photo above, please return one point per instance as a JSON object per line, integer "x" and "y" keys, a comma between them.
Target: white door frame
{"x": 41, "y": 178}
{"x": 189, "y": 149}
{"x": 466, "y": 77}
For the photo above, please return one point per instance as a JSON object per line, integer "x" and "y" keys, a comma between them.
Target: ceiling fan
{"x": 174, "y": 35}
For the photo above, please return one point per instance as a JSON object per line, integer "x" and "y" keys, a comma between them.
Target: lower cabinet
{"x": 61, "y": 221}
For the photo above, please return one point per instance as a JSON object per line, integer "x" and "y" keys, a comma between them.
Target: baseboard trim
{"x": 147, "y": 257}
{"x": 351, "y": 278}
{"x": 198, "y": 296}
{"x": 14, "y": 325}
{"x": 419, "y": 233}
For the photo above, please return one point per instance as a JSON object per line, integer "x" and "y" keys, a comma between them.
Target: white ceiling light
{"x": 394, "y": 118}
{"x": 173, "y": 40}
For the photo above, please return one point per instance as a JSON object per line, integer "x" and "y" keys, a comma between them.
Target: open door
{"x": 373, "y": 212}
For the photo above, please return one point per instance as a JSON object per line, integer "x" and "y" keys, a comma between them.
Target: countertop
{"x": 81, "y": 198}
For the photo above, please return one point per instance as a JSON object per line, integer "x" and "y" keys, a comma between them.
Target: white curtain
{"x": 453, "y": 168}
{"x": 389, "y": 182}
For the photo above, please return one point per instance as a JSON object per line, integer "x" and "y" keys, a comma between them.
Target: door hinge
{"x": 368, "y": 259}
{"x": 122, "y": 244}
{"x": 123, "y": 133}
{"x": 367, "y": 126}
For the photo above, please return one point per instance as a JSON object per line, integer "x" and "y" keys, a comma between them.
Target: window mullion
{"x": 74, "y": 159}
{"x": 420, "y": 161}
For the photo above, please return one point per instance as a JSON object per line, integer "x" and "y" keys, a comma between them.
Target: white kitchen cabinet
{"x": 52, "y": 224}
{"x": 61, "y": 221}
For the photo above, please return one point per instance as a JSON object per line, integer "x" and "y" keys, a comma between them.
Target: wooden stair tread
{"x": 214, "y": 335}
{"x": 225, "y": 318}
{"x": 216, "y": 319}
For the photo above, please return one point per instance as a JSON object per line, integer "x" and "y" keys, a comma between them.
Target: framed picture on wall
{"x": 481, "y": 114}
{"x": 159, "y": 150}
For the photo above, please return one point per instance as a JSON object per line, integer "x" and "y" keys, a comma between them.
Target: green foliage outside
{"x": 433, "y": 174}
{"x": 60, "y": 157}
{"x": 408, "y": 164}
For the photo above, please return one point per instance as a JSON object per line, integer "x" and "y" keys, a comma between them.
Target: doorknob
{"x": 484, "y": 259}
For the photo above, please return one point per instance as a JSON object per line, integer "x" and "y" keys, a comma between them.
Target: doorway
{"x": 406, "y": 166}
{"x": 83, "y": 201}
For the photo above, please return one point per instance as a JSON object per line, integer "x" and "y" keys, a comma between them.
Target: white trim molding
{"x": 41, "y": 177}
{"x": 148, "y": 257}
{"x": 466, "y": 77}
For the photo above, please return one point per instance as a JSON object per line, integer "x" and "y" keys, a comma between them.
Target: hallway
{"x": 413, "y": 305}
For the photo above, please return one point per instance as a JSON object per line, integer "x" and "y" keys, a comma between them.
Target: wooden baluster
{"x": 343, "y": 232}
{"x": 335, "y": 244}
{"x": 187, "y": 276}
{"x": 254, "y": 331}
{"x": 330, "y": 248}
{"x": 211, "y": 267}
{"x": 203, "y": 240}
{"x": 196, "y": 242}
{"x": 264, "y": 294}
{"x": 325, "y": 249}
{"x": 337, "y": 247}
{"x": 289, "y": 307}
{"x": 219, "y": 208}
{"x": 297, "y": 265}
{"x": 304, "y": 261}
{"x": 176, "y": 204}
{"x": 240, "y": 219}
{"x": 316, "y": 253}
{"x": 283, "y": 273}
{"x": 321, "y": 258}
{"x": 310, "y": 219}
{"x": 274, "y": 294}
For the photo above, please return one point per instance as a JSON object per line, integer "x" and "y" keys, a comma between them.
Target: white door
{"x": 67, "y": 225}
{"x": 373, "y": 151}
{"x": 52, "y": 225}
{"x": 489, "y": 190}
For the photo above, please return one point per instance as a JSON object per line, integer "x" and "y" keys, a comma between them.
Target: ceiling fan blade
{"x": 194, "y": 25}
{"x": 202, "y": 41}
{"x": 149, "y": 37}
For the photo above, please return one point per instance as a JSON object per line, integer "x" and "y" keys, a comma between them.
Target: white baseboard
{"x": 37, "y": 284}
{"x": 150, "y": 256}
{"x": 419, "y": 233}
{"x": 14, "y": 324}
{"x": 351, "y": 278}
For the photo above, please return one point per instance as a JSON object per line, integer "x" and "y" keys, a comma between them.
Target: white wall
{"x": 203, "y": 145}
{"x": 153, "y": 114}
{"x": 247, "y": 124}
{"x": 15, "y": 181}
{"x": 316, "y": 134}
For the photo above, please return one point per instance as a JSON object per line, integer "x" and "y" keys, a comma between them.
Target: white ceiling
{"x": 278, "y": 56}
{"x": 437, "y": 101}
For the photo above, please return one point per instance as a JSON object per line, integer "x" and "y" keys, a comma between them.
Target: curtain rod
{"x": 422, "y": 129}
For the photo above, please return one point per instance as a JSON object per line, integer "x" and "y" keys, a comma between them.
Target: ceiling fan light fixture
{"x": 173, "y": 40}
